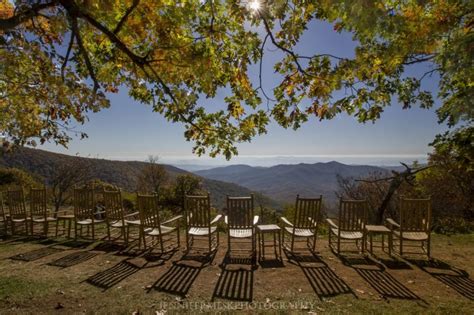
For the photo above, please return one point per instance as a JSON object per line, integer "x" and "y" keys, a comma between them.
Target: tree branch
{"x": 24, "y": 15}
{"x": 126, "y": 15}
{"x": 84, "y": 53}
{"x": 288, "y": 51}
{"x": 68, "y": 52}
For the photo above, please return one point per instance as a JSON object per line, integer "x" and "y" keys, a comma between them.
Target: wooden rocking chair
{"x": 351, "y": 224}
{"x": 414, "y": 226}
{"x": 199, "y": 223}
{"x": 114, "y": 214}
{"x": 150, "y": 224}
{"x": 241, "y": 221}
{"x": 305, "y": 223}
{"x": 17, "y": 209}
{"x": 3, "y": 217}
{"x": 85, "y": 211}
{"x": 39, "y": 210}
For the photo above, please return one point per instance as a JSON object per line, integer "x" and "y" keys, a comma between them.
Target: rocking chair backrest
{"x": 198, "y": 211}
{"x": 84, "y": 203}
{"x": 240, "y": 212}
{"x": 2, "y": 208}
{"x": 113, "y": 205}
{"x": 16, "y": 204}
{"x": 353, "y": 215}
{"x": 38, "y": 207}
{"x": 415, "y": 215}
{"x": 148, "y": 209}
{"x": 307, "y": 212}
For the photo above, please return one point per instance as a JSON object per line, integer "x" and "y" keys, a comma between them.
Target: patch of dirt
{"x": 106, "y": 279}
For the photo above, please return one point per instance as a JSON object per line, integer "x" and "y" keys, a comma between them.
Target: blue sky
{"x": 131, "y": 131}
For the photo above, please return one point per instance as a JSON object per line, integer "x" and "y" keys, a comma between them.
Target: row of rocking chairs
{"x": 241, "y": 221}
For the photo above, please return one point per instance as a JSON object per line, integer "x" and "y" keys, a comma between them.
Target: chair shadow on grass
{"x": 73, "y": 259}
{"x": 453, "y": 277}
{"x": 110, "y": 277}
{"x": 236, "y": 279}
{"x": 180, "y": 277}
{"x": 324, "y": 281}
{"x": 36, "y": 254}
{"x": 375, "y": 275}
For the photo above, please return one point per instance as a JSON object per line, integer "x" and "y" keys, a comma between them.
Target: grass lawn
{"x": 48, "y": 276}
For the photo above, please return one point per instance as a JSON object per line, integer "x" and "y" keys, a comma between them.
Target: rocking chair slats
{"x": 350, "y": 226}
{"x": 114, "y": 214}
{"x": 150, "y": 223}
{"x": 3, "y": 216}
{"x": 414, "y": 224}
{"x": 198, "y": 221}
{"x": 241, "y": 221}
{"x": 85, "y": 211}
{"x": 17, "y": 209}
{"x": 39, "y": 210}
{"x": 305, "y": 223}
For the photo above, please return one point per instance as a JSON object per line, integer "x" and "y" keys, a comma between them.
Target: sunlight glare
{"x": 254, "y": 5}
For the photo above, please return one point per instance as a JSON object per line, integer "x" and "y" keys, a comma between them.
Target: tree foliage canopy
{"x": 59, "y": 59}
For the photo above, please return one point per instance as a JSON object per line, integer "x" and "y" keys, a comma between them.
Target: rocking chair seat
{"x": 240, "y": 233}
{"x": 348, "y": 235}
{"x": 133, "y": 222}
{"x": 156, "y": 231}
{"x": 20, "y": 220}
{"x": 89, "y": 221}
{"x": 118, "y": 224}
{"x": 300, "y": 232}
{"x": 201, "y": 231}
{"x": 39, "y": 220}
{"x": 413, "y": 236}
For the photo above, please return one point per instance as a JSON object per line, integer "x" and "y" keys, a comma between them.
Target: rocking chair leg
{"x": 429, "y": 248}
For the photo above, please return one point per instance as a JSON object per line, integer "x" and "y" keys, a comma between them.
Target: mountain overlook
{"x": 120, "y": 173}
{"x": 284, "y": 182}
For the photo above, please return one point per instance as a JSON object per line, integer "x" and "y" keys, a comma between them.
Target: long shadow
{"x": 76, "y": 244}
{"x": 72, "y": 259}
{"x": 324, "y": 281}
{"x": 375, "y": 275}
{"x": 236, "y": 279}
{"x": 110, "y": 277}
{"x": 36, "y": 254}
{"x": 182, "y": 274}
{"x": 453, "y": 277}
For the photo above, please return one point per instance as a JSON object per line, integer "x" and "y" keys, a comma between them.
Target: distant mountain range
{"x": 284, "y": 182}
{"x": 120, "y": 173}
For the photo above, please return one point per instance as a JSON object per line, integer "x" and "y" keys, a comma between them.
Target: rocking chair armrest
{"x": 131, "y": 214}
{"x": 173, "y": 219}
{"x": 216, "y": 219}
{"x": 99, "y": 212}
{"x": 255, "y": 219}
{"x": 226, "y": 219}
{"x": 331, "y": 223}
{"x": 392, "y": 223}
{"x": 285, "y": 221}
